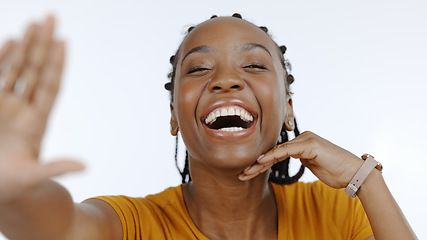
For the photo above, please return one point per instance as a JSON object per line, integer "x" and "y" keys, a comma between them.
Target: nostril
{"x": 226, "y": 85}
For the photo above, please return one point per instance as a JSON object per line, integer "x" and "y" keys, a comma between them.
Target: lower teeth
{"x": 231, "y": 129}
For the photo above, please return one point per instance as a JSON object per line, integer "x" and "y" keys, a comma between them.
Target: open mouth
{"x": 229, "y": 119}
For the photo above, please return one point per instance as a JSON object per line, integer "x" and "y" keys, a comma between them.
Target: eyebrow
{"x": 199, "y": 49}
{"x": 245, "y": 47}
{"x": 251, "y": 46}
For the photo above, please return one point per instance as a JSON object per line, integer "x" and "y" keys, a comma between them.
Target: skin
{"x": 215, "y": 162}
{"x": 223, "y": 187}
{"x": 31, "y": 205}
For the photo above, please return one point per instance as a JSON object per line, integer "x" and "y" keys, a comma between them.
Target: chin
{"x": 231, "y": 157}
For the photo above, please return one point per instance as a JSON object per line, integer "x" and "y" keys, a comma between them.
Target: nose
{"x": 226, "y": 81}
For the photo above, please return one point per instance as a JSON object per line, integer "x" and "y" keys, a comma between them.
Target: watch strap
{"x": 368, "y": 165}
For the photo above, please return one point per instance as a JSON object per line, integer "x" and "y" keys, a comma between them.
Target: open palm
{"x": 30, "y": 72}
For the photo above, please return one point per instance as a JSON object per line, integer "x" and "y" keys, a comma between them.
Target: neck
{"x": 223, "y": 207}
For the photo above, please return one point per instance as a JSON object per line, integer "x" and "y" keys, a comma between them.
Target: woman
{"x": 230, "y": 101}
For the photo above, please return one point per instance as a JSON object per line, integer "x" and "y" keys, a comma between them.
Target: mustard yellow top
{"x": 305, "y": 211}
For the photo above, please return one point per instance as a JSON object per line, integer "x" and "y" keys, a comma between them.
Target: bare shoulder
{"x": 99, "y": 220}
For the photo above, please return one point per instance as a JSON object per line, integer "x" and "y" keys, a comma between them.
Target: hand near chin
{"x": 332, "y": 164}
{"x": 30, "y": 72}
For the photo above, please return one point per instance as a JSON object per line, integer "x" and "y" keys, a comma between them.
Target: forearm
{"x": 44, "y": 212}
{"x": 386, "y": 218}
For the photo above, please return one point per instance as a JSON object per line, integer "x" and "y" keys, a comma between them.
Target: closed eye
{"x": 197, "y": 69}
{"x": 252, "y": 66}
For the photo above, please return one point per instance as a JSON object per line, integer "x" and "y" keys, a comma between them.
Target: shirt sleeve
{"x": 124, "y": 209}
{"x": 347, "y": 214}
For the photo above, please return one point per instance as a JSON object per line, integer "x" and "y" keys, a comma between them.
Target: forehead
{"x": 226, "y": 31}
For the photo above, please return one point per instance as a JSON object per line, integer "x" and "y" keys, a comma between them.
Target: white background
{"x": 360, "y": 70}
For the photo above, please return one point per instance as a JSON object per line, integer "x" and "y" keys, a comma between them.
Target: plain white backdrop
{"x": 360, "y": 70}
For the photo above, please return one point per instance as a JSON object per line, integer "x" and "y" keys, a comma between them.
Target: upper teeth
{"x": 229, "y": 111}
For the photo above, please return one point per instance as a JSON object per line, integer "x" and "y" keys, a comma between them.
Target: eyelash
{"x": 259, "y": 66}
{"x": 252, "y": 66}
{"x": 197, "y": 69}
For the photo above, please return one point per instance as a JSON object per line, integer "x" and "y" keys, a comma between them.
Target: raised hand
{"x": 332, "y": 164}
{"x": 30, "y": 73}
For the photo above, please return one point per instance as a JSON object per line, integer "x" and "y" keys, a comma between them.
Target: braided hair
{"x": 279, "y": 172}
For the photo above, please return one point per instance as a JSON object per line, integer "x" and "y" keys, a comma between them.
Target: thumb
{"x": 56, "y": 168}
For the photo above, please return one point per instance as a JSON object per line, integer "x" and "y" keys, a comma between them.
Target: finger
{"x": 43, "y": 42}
{"x": 305, "y": 162}
{"x": 299, "y": 139}
{"x": 33, "y": 172}
{"x": 271, "y": 157}
{"x": 304, "y": 149}
{"x": 258, "y": 168}
{"x": 267, "y": 166}
{"x": 40, "y": 172}
{"x": 275, "y": 155}
{"x": 38, "y": 57}
{"x": 18, "y": 59}
{"x": 57, "y": 168}
{"x": 244, "y": 177}
{"x": 302, "y": 137}
{"x": 30, "y": 75}
{"x": 6, "y": 50}
{"x": 5, "y": 53}
{"x": 278, "y": 153}
{"x": 255, "y": 170}
{"x": 46, "y": 89}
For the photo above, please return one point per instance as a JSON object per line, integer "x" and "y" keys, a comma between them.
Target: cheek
{"x": 186, "y": 98}
{"x": 272, "y": 98}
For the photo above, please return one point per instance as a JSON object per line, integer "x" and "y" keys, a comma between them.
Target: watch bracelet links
{"x": 368, "y": 165}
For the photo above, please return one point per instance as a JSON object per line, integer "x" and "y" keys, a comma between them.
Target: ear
{"x": 289, "y": 119}
{"x": 173, "y": 122}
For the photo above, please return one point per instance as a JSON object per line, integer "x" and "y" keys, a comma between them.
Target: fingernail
{"x": 246, "y": 169}
{"x": 262, "y": 155}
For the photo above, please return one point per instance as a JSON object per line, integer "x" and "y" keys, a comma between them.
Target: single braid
{"x": 237, "y": 15}
{"x": 186, "y": 177}
{"x": 265, "y": 29}
{"x": 280, "y": 171}
{"x": 190, "y": 29}
{"x": 185, "y": 173}
{"x": 283, "y": 49}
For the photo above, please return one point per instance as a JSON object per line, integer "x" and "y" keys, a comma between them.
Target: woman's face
{"x": 229, "y": 97}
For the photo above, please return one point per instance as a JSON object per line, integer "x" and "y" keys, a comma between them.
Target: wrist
{"x": 372, "y": 184}
{"x": 361, "y": 175}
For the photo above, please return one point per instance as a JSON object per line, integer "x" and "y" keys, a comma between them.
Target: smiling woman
{"x": 221, "y": 116}
{"x": 231, "y": 102}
